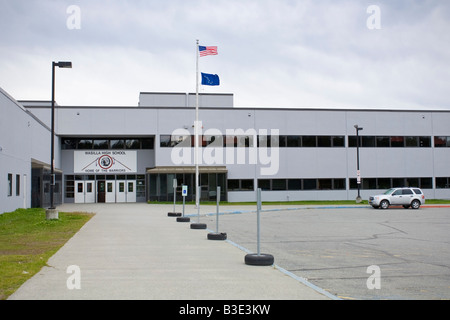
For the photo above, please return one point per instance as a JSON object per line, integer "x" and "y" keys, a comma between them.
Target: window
{"x": 369, "y": 183}
{"x": 325, "y": 184}
{"x": 266, "y": 141}
{"x": 442, "y": 183}
{"x": 323, "y": 141}
{"x": 117, "y": 144}
{"x": 368, "y": 141}
{"x": 384, "y": 183}
{"x": 426, "y": 183}
{"x": 264, "y": 184}
{"x": 84, "y": 144}
{"x": 164, "y": 141}
{"x": 10, "y": 182}
{"x": 309, "y": 184}
{"x": 294, "y": 184}
{"x": 441, "y": 142}
{"x": 412, "y": 142}
{"x": 397, "y": 142}
{"x": 387, "y": 183}
{"x": 106, "y": 143}
{"x": 17, "y": 184}
{"x": 247, "y": 185}
{"x": 240, "y": 185}
{"x": 309, "y": 141}
{"x": 148, "y": 143}
{"x": 382, "y": 142}
{"x": 338, "y": 141}
{"x": 101, "y": 144}
{"x": 282, "y": 141}
{"x": 233, "y": 185}
{"x": 279, "y": 184}
{"x": 214, "y": 141}
{"x": 294, "y": 141}
{"x": 68, "y": 144}
{"x": 301, "y": 184}
{"x": 132, "y": 144}
{"x": 425, "y": 142}
{"x": 339, "y": 184}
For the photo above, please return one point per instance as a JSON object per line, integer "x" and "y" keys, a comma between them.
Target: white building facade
{"x": 132, "y": 154}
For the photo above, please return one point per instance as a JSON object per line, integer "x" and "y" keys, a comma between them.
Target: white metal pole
{"x": 197, "y": 194}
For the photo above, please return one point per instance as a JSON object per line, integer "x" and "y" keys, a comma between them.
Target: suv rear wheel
{"x": 415, "y": 204}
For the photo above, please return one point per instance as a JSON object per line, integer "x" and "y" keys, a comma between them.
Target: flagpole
{"x": 197, "y": 194}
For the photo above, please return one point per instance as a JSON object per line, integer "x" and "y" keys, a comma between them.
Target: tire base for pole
{"x": 262, "y": 259}
{"x": 183, "y": 219}
{"x": 198, "y": 225}
{"x": 174, "y": 214}
{"x": 217, "y": 236}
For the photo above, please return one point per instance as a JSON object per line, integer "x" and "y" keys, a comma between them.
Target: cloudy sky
{"x": 272, "y": 53}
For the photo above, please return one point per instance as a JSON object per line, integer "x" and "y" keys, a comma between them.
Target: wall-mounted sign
{"x": 105, "y": 161}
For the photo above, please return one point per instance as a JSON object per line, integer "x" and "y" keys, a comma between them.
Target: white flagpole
{"x": 197, "y": 194}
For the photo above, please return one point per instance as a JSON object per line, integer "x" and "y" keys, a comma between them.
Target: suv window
{"x": 417, "y": 191}
{"x": 397, "y": 192}
{"x": 407, "y": 191}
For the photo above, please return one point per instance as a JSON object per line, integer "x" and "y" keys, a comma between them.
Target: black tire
{"x": 183, "y": 219}
{"x": 198, "y": 225}
{"x": 263, "y": 259}
{"x": 384, "y": 204}
{"x": 217, "y": 236}
{"x": 174, "y": 214}
{"x": 415, "y": 204}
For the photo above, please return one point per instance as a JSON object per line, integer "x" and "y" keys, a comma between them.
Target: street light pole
{"x": 52, "y": 213}
{"x": 358, "y": 173}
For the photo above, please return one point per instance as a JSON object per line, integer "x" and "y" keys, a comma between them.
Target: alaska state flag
{"x": 210, "y": 79}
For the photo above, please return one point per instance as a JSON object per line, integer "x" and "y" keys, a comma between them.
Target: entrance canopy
{"x": 160, "y": 186}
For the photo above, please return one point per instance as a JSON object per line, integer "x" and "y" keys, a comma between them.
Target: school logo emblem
{"x": 105, "y": 162}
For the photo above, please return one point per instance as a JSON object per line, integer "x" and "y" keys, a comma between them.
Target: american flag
{"x": 207, "y": 51}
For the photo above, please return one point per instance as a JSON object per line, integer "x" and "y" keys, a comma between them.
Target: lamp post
{"x": 358, "y": 173}
{"x": 52, "y": 213}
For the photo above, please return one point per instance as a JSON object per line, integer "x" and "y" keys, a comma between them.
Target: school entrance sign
{"x": 105, "y": 161}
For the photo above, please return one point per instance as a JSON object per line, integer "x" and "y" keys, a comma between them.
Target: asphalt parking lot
{"x": 407, "y": 251}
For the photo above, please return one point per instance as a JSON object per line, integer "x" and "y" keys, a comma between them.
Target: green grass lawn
{"x": 28, "y": 240}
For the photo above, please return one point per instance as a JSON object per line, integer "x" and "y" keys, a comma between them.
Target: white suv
{"x": 407, "y": 197}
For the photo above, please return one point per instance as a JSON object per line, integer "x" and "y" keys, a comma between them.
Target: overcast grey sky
{"x": 276, "y": 53}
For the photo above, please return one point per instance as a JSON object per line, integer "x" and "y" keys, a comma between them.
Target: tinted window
{"x": 417, "y": 191}
{"x": 294, "y": 141}
{"x": 233, "y": 185}
{"x": 264, "y": 184}
{"x": 407, "y": 191}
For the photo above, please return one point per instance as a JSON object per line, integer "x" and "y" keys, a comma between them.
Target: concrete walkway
{"x": 135, "y": 251}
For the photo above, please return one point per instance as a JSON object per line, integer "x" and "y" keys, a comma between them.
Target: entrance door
{"x": 79, "y": 191}
{"x": 121, "y": 195}
{"x": 89, "y": 192}
{"x": 101, "y": 191}
{"x": 110, "y": 191}
{"x": 131, "y": 191}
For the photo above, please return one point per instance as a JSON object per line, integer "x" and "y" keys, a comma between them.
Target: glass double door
{"x": 126, "y": 191}
{"x": 105, "y": 191}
